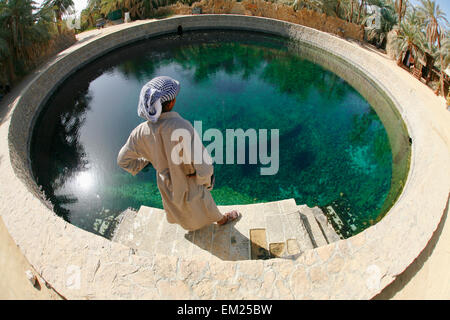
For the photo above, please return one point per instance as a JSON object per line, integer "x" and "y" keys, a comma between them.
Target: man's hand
{"x": 213, "y": 180}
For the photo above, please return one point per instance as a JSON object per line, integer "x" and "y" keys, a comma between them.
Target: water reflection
{"x": 333, "y": 148}
{"x": 85, "y": 181}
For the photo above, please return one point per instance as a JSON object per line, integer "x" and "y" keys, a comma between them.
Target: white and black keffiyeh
{"x": 155, "y": 92}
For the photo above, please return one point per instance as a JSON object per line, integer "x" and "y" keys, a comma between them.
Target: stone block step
{"x": 273, "y": 229}
{"x": 140, "y": 230}
{"x": 295, "y": 229}
{"x": 312, "y": 226}
{"x": 259, "y": 247}
{"x": 326, "y": 227}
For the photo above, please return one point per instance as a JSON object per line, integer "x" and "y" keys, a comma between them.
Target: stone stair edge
{"x": 313, "y": 226}
{"x": 226, "y": 206}
{"x": 119, "y": 220}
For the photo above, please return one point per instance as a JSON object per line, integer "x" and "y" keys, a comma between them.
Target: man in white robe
{"x": 184, "y": 187}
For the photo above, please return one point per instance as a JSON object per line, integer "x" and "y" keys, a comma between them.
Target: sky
{"x": 443, "y": 4}
{"x": 79, "y": 4}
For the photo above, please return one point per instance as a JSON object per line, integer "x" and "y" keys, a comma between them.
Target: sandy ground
{"x": 14, "y": 283}
{"x": 428, "y": 277}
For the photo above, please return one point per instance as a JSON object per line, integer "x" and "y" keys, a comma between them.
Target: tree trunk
{"x": 58, "y": 21}
{"x": 442, "y": 66}
{"x": 12, "y": 74}
{"x": 15, "y": 36}
{"x": 91, "y": 20}
{"x": 351, "y": 13}
{"x": 360, "y": 9}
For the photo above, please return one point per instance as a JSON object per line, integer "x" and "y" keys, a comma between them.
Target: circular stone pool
{"x": 334, "y": 149}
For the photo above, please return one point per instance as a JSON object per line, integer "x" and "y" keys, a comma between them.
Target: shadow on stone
{"x": 405, "y": 277}
{"x": 258, "y": 245}
{"x": 88, "y": 38}
{"x": 225, "y": 242}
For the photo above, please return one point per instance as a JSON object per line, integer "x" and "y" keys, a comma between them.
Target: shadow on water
{"x": 62, "y": 141}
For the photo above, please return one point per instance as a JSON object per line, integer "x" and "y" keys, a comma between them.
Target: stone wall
{"x": 280, "y": 11}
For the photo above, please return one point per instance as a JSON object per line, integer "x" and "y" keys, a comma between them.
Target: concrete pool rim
{"x": 382, "y": 251}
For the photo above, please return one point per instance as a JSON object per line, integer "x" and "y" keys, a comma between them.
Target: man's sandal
{"x": 230, "y": 216}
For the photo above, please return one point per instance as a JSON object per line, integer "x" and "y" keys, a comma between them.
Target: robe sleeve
{"x": 129, "y": 158}
{"x": 204, "y": 170}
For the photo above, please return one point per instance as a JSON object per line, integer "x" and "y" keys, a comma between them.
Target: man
{"x": 184, "y": 186}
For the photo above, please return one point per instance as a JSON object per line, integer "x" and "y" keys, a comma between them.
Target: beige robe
{"x": 186, "y": 199}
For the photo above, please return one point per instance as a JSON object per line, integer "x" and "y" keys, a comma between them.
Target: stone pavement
{"x": 279, "y": 229}
{"x": 14, "y": 266}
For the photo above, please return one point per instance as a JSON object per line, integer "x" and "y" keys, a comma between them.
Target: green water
{"x": 334, "y": 149}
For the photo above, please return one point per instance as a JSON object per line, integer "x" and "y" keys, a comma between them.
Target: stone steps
{"x": 316, "y": 223}
{"x": 266, "y": 230}
{"x": 327, "y": 229}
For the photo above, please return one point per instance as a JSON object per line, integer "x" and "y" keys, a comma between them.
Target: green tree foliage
{"x": 408, "y": 39}
{"x": 138, "y": 9}
{"x": 23, "y": 30}
{"x": 60, "y": 8}
{"x": 433, "y": 23}
{"x": 423, "y": 30}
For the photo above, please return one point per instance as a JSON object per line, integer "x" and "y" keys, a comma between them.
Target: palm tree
{"x": 407, "y": 39}
{"x": 361, "y": 5}
{"x": 138, "y": 8}
{"x": 5, "y": 59}
{"x": 108, "y": 6}
{"x": 445, "y": 51}
{"x": 90, "y": 14}
{"x": 350, "y": 16}
{"x": 400, "y": 8}
{"x": 22, "y": 32}
{"x": 60, "y": 8}
{"x": 433, "y": 19}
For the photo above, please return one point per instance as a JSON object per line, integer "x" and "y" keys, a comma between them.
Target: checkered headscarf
{"x": 155, "y": 92}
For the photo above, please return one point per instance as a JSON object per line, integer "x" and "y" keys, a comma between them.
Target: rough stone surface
{"x": 81, "y": 265}
{"x": 263, "y": 230}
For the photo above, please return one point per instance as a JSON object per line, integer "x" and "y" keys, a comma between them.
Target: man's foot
{"x": 227, "y": 217}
